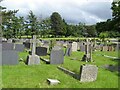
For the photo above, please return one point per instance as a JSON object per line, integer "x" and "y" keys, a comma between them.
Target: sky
{"x": 73, "y": 11}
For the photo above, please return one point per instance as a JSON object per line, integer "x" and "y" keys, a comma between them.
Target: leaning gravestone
{"x": 19, "y": 47}
{"x": 74, "y": 46}
{"x": 57, "y": 55}
{"x": 88, "y": 73}
{"x": 41, "y": 51}
{"x": 33, "y": 59}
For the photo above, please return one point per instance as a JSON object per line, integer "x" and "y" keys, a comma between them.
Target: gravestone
{"x": 65, "y": 44}
{"x": 46, "y": 45}
{"x": 88, "y": 73}
{"x": 78, "y": 45}
{"x": 19, "y": 47}
{"x": 9, "y": 57}
{"x": 33, "y": 59}
{"x": 82, "y": 46}
{"x": 7, "y": 46}
{"x": 110, "y": 48}
{"x": 27, "y": 45}
{"x": 59, "y": 43}
{"x": 74, "y": 46}
{"x": 56, "y": 55}
{"x": 41, "y": 51}
{"x": 104, "y": 48}
{"x": 9, "y": 41}
{"x": 0, "y": 40}
{"x": 68, "y": 49}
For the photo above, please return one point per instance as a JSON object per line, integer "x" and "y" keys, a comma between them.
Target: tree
{"x": 57, "y": 25}
{"x": 116, "y": 15}
{"x": 91, "y": 30}
{"x": 32, "y": 24}
{"x": 8, "y": 18}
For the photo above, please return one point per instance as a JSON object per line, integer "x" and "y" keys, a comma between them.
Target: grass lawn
{"x": 35, "y": 76}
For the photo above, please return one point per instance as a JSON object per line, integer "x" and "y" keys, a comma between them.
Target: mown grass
{"x": 35, "y": 76}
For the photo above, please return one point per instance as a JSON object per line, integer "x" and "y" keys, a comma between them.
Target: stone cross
{"x": 33, "y": 59}
{"x": 88, "y": 51}
{"x": 34, "y": 45}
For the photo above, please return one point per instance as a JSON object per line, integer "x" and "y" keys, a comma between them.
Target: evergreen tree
{"x": 57, "y": 25}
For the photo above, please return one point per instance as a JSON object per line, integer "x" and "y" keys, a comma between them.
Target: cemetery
{"x": 40, "y": 51}
{"x": 24, "y": 67}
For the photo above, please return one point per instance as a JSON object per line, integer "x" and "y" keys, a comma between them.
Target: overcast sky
{"x": 73, "y": 11}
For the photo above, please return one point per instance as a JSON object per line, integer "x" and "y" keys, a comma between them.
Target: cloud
{"x": 73, "y": 11}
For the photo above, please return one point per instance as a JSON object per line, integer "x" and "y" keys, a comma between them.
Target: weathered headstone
{"x": 104, "y": 48}
{"x": 74, "y": 46}
{"x": 19, "y": 47}
{"x": 57, "y": 55}
{"x": 46, "y": 45}
{"x": 33, "y": 59}
{"x": 82, "y": 46}
{"x": 53, "y": 81}
{"x": 7, "y": 46}
{"x": 9, "y": 41}
{"x": 41, "y": 51}
{"x": 9, "y": 57}
{"x": 27, "y": 45}
{"x": 0, "y": 40}
{"x": 88, "y": 73}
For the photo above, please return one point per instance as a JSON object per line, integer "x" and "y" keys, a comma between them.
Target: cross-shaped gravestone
{"x": 33, "y": 59}
{"x": 88, "y": 51}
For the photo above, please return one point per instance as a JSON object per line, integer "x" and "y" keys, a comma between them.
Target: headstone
{"x": 41, "y": 51}
{"x": 57, "y": 55}
{"x": 9, "y": 57}
{"x": 88, "y": 73}
{"x": 110, "y": 48}
{"x": 33, "y": 59}
{"x": 78, "y": 45}
{"x": 59, "y": 43}
{"x": 27, "y": 45}
{"x": 46, "y": 45}
{"x": 104, "y": 48}
{"x": 0, "y": 40}
{"x": 53, "y": 81}
{"x": 82, "y": 46}
{"x": 19, "y": 47}
{"x": 68, "y": 49}
{"x": 65, "y": 44}
{"x": 74, "y": 46}
{"x": 9, "y": 41}
{"x": 7, "y": 46}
